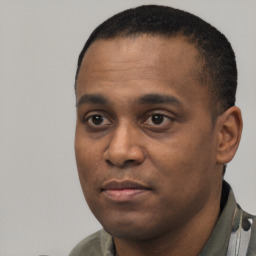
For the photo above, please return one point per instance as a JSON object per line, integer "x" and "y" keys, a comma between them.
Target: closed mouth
{"x": 124, "y": 191}
{"x": 121, "y": 185}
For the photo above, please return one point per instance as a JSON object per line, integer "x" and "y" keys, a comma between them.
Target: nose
{"x": 124, "y": 148}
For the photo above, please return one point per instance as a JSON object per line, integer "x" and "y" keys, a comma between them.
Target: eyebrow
{"x": 147, "y": 99}
{"x": 158, "y": 99}
{"x": 92, "y": 99}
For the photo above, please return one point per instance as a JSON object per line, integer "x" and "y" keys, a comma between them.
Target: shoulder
{"x": 89, "y": 246}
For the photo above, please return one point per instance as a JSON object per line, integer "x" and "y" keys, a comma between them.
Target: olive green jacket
{"x": 233, "y": 235}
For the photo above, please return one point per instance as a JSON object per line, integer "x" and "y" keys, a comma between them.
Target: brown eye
{"x": 157, "y": 119}
{"x": 97, "y": 119}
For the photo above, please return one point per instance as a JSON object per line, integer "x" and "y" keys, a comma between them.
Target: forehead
{"x": 145, "y": 64}
{"x": 152, "y": 54}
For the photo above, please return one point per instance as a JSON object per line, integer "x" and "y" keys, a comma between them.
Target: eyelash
{"x": 165, "y": 121}
{"x": 87, "y": 119}
{"x": 163, "y": 118}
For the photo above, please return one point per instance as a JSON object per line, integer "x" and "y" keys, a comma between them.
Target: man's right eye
{"x": 97, "y": 120}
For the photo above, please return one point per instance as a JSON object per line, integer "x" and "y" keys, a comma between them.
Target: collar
{"x": 219, "y": 239}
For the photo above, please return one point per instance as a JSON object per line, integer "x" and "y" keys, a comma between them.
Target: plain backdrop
{"x": 42, "y": 209}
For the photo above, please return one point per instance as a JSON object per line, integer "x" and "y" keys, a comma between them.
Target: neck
{"x": 186, "y": 240}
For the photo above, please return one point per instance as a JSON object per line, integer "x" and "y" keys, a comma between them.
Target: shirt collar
{"x": 219, "y": 239}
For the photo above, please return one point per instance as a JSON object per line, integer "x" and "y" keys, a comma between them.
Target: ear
{"x": 230, "y": 126}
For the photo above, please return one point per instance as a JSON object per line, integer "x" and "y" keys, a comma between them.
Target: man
{"x": 156, "y": 126}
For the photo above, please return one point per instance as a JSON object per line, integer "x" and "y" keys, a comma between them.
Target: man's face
{"x": 145, "y": 141}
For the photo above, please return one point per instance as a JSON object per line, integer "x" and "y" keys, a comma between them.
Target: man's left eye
{"x": 157, "y": 119}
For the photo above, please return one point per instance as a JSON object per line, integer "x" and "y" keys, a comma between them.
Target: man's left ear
{"x": 230, "y": 127}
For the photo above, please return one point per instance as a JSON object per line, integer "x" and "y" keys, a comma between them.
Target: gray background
{"x": 42, "y": 209}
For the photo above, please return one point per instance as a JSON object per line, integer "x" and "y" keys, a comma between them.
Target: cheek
{"x": 184, "y": 174}
{"x": 87, "y": 158}
{"x": 184, "y": 159}
{"x": 87, "y": 164}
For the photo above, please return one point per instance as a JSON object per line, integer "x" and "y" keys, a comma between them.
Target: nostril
{"x": 129, "y": 161}
{"x": 109, "y": 163}
{"x": 121, "y": 165}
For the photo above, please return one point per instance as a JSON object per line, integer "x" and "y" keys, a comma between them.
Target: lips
{"x": 118, "y": 185}
{"x": 121, "y": 191}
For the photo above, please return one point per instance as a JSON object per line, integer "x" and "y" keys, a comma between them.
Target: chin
{"x": 139, "y": 230}
{"x": 129, "y": 233}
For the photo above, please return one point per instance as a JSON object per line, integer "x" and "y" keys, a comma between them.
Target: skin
{"x": 170, "y": 146}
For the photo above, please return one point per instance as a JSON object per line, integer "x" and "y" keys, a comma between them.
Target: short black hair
{"x": 219, "y": 69}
